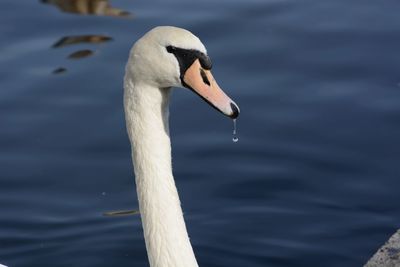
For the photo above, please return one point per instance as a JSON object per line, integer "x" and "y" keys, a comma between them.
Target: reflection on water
{"x": 78, "y": 39}
{"x": 84, "y": 7}
{"x": 312, "y": 182}
{"x": 59, "y": 70}
{"x": 88, "y": 7}
{"x": 119, "y": 213}
{"x": 81, "y": 54}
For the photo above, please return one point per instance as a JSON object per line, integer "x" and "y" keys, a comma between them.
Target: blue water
{"x": 313, "y": 181}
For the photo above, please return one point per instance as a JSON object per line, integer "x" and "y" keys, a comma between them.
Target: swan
{"x": 163, "y": 58}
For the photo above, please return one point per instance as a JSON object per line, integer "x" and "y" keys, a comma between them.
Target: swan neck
{"x": 167, "y": 241}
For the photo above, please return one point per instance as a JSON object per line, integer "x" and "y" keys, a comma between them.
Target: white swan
{"x": 165, "y": 57}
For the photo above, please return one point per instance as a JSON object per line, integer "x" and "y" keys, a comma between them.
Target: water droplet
{"x": 234, "y": 138}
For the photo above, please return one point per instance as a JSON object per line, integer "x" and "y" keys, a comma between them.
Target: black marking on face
{"x": 186, "y": 57}
{"x": 204, "y": 77}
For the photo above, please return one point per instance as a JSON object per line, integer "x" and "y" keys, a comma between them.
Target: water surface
{"x": 313, "y": 180}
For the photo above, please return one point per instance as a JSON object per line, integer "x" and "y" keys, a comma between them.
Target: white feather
{"x": 150, "y": 73}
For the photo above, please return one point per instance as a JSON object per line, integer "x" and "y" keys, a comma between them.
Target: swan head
{"x": 173, "y": 57}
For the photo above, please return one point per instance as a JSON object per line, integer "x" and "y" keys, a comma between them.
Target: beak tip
{"x": 235, "y": 111}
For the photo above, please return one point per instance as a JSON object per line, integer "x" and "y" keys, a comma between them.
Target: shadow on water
{"x": 84, "y": 7}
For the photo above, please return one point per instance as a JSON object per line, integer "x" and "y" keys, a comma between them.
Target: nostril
{"x": 235, "y": 111}
{"x": 204, "y": 77}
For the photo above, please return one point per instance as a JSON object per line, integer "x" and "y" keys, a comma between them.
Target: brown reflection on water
{"x": 71, "y": 40}
{"x": 76, "y": 40}
{"x": 88, "y": 7}
{"x": 84, "y": 7}
{"x": 81, "y": 54}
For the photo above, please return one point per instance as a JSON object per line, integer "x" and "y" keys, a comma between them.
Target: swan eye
{"x": 171, "y": 49}
{"x": 204, "y": 59}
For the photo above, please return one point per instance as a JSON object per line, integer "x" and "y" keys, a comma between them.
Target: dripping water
{"x": 234, "y": 138}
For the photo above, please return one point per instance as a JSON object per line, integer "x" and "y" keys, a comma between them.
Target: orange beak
{"x": 203, "y": 83}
